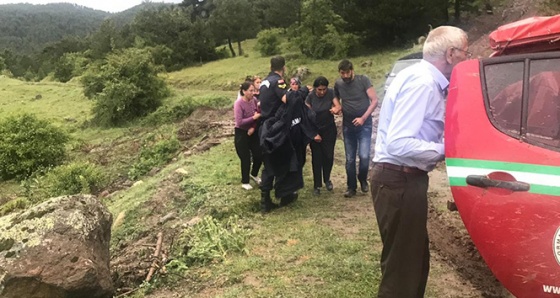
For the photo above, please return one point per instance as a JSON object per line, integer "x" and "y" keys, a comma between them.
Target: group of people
{"x": 291, "y": 116}
{"x": 409, "y": 144}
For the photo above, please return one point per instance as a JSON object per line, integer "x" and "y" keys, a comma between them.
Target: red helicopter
{"x": 502, "y": 140}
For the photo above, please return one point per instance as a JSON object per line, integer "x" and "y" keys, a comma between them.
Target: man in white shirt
{"x": 409, "y": 144}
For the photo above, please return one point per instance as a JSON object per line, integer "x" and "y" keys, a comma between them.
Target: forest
{"x": 64, "y": 39}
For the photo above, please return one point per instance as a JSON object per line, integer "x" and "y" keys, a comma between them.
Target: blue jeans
{"x": 357, "y": 140}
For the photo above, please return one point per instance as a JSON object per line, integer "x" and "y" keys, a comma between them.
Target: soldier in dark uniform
{"x": 272, "y": 89}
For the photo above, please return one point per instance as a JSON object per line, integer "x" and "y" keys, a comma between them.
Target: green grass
{"x": 227, "y": 74}
{"x": 312, "y": 248}
{"x": 304, "y": 250}
{"x": 63, "y": 104}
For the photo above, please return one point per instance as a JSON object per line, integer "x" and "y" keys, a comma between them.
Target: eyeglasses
{"x": 467, "y": 53}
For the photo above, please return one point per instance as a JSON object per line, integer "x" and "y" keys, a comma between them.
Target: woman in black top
{"x": 324, "y": 103}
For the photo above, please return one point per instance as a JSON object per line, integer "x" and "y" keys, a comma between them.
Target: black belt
{"x": 404, "y": 169}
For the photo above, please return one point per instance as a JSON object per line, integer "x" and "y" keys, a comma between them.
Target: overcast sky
{"x": 106, "y": 5}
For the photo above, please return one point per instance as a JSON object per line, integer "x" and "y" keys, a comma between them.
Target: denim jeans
{"x": 357, "y": 139}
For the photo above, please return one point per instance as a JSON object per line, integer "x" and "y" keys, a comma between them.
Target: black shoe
{"x": 266, "y": 202}
{"x": 364, "y": 186}
{"x": 329, "y": 185}
{"x": 349, "y": 193}
{"x": 265, "y": 208}
{"x": 316, "y": 191}
{"x": 287, "y": 200}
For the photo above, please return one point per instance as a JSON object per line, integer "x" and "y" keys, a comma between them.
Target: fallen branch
{"x": 156, "y": 255}
{"x": 126, "y": 293}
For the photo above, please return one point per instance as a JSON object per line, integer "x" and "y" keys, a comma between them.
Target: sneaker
{"x": 329, "y": 185}
{"x": 256, "y": 179}
{"x": 246, "y": 186}
{"x": 316, "y": 191}
{"x": 349, "y": 193}
{"x": 364, "y": 186}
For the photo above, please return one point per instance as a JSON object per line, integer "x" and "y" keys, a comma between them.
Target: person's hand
{"x": 335, "y": 111}
{"x": 317, "y": 138}
{"x": 310, "y": 88}
{"x": 251, "y": 131}
{"x": 256, "y": 116}
{"x": 358, "y": 121}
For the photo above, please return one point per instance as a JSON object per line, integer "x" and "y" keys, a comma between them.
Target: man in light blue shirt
{"x": 409, "y": 144}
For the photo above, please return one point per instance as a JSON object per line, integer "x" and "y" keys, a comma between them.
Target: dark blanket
{"x": 283, "y": 139}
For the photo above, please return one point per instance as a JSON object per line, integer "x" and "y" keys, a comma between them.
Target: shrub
{"x": 172, "y": 113}
{"x": 268, "y": 42}
{"x": 125, "y": 87}
{"x": 153, "y": 155}
{"x": 69, "y": 66}
{"x": 12, "y": 205}
{"x": 73, "y": 178}
{"x": 28, "y": 144}
{"x": 211, "y": 240}
{"x": 331, "y": 45}
{"x": 169, "y": 114}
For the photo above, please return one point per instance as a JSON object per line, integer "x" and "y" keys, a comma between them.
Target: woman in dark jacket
{"x": 323, "y": 102}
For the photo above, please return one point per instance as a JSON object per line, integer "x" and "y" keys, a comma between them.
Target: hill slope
{"x": 26, "y": 28}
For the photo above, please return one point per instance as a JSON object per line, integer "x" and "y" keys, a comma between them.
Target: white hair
{"x": 440, "y": 39}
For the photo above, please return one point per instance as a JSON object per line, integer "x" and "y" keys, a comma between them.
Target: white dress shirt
{"x": 410, "y": 130}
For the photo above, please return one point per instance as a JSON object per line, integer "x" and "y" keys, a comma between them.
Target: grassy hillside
{"x": 217, "y": 243}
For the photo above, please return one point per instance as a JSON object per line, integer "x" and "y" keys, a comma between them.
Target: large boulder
{"x": 59, "y": 248}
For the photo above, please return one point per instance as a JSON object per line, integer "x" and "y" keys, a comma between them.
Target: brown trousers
{"x": 401, "y": 208}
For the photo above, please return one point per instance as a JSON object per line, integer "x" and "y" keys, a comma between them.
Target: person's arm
{"x": 406, "y": 121}
{"x": 308, "y": 101}
{"x": 337, "y": 99}
{"x": 372, "y": 105}
{"x": 238, "y": 113}
{"x": 336, "y": 107}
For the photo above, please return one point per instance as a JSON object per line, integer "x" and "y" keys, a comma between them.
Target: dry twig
{"x": 156, "y": 255}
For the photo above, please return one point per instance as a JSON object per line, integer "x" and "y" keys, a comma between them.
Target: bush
{"x": 69, "y": 65}
{"x": 153, "y": 154}
{"x": 169, "y": 114}
{"x": 268, "y": 42}
{"x": 125, "y": 87}
{"x": 74, "y": 178}
{"x": 331, "y": 45}
{"x": 12, "y": 205}
{"x": 211, "y": 240}
{"x": 28, "y": 144}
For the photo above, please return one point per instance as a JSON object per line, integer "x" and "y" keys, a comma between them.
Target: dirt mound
{"x": 480, "y": 26}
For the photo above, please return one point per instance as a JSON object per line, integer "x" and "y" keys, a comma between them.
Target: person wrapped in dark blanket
{"x": 283, "y": 140}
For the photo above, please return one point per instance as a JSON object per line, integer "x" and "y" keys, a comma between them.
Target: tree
{"x": 125, "y": 87}
{"x": 233, "y": 21}
{"x": 102, "y": 41}
{"x": 278, "y": 13}
{"x": 321, "y": 32}
{"x": 173, "y": 29}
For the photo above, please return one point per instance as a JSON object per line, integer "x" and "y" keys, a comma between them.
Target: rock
{"x": 181, "y": 171}
{"x": 154, "y": 171}
{"x": 127, "y": 183}
{"x": 366, "y": 63}
{"x": 193, "y": 221}
{"x": 59, "y": 248}
{"x": 167, "y": 218}
{"x": 139, "y": 182}
{"x": 302, "y": 72}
